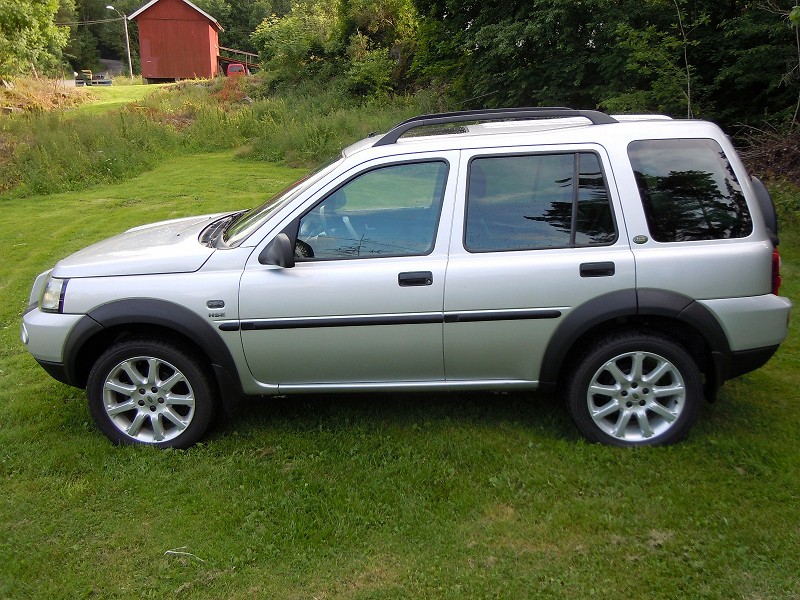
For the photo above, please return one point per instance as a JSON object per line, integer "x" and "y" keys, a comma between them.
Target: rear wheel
{"x": 635, "y": 389}
{"x": 146, "y": 391}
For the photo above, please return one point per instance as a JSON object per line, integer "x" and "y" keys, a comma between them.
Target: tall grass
{"x": 36, "y": 95}
{"x": 53, "y": 153}
{"x": 56, "y": 152}
{"x": 787, "y": 202}
{"x": 300, "y": 130}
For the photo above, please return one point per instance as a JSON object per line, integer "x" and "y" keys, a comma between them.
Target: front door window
{"x": 388, "y": 211}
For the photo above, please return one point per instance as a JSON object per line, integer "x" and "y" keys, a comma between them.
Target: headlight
{"x": 52, "y": 299}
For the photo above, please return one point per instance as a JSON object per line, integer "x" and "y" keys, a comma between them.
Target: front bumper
{"x": 45, "y": 334}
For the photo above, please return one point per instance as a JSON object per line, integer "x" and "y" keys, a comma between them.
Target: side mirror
{"x": 278, "y": 252}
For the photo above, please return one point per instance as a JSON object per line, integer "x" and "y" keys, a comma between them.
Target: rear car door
{"x": 538, "y": 234}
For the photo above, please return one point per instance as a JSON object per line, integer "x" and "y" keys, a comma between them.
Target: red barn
{"x": 177, "y": 40}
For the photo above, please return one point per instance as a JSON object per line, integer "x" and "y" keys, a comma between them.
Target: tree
{"x": 29, "y": 38}
{"x": 95, "y": 32}
{"x": 756, "y": 64}
{"x": 239, "y": 18}
{"x": 517, "y": 52}
{"x": 369, "y": 43}
{"x": 381, "y": 43}
{"x": 298, "y": 44}
{"x": 657, "y": 62}
{"x": 794, "y": 20}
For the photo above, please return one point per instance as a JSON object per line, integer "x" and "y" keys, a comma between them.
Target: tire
{"x": 635, "y": 389}
{"x": 171, "y": 404}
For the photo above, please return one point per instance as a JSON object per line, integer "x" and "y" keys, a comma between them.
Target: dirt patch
{"x": 37, "y": 95}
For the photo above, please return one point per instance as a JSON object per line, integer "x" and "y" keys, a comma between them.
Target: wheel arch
{"x": 673, "y": 315}
{"x": 117, "y": 320}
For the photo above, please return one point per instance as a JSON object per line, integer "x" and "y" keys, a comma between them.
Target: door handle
{"x": 598, "y": 269}
{"x": 415, "y": 278}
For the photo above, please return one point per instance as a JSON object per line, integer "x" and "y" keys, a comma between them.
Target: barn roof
{"x": 216, "y": 24}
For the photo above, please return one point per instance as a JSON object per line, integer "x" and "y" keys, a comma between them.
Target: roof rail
{"x": 492, "y": 114}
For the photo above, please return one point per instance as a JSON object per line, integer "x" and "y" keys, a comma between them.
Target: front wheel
{"x": 146, "y": 391}
{"x": 635, "y": 389}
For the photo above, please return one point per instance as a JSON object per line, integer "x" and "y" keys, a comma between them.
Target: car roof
{"x": 529, "y": 132}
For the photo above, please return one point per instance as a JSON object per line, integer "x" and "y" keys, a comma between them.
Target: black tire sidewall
{"x": 605, "y": 350}
{"x": 182, "y": 359}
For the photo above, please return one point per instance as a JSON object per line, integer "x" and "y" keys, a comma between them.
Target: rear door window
{"x": 688, "y": 190}
{"x": 537, "y": 201}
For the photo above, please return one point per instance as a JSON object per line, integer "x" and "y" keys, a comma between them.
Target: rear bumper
{"x": 752, "y": 324}
{"x": 745, "y": 361}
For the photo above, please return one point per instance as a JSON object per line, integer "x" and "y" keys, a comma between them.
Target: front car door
{"x": 362, "y": 307}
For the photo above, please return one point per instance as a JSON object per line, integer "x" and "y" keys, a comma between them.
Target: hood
{"x": 164, "y": 247}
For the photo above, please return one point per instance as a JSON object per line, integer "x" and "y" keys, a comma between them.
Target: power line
{"x": 88, "y": 22}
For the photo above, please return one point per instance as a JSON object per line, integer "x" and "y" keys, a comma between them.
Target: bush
{"x": 370, "y": 71}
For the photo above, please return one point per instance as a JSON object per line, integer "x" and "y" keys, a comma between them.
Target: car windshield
{"x": 246, "y": 223}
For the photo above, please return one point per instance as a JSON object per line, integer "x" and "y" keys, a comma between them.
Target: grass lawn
{"x": 109, "y": 97}
{"x": 374, "y": 496}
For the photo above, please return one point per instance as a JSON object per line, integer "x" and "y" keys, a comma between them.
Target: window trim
{"x": 575, "y": 193}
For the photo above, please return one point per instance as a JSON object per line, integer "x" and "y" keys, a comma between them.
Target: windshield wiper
{"x": 211, "y": 234}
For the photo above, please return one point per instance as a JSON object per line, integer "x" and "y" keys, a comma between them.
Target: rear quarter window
{"x": 688, "y": 190}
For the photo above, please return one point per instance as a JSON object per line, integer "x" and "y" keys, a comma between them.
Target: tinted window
{"x": 689, "y": 191}
{"x": 529, "y": 202}
{"x": 389, "y": 211}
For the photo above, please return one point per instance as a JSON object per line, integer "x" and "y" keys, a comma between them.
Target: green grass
{"x": 374, "y": 496}
{"x": 387, "y": 496}
{"x": 99, "y": 141}
{"x": 110, "y": 97}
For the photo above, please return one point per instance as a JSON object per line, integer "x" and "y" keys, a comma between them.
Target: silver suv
{"x": 629, "y": 262}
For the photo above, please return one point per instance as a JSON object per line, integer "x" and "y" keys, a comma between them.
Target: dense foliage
{"x": 29, "y": 39}
{"x": 734, "y": 61}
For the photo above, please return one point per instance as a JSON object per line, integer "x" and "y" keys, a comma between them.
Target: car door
{"x": 537, "y": 235}
{"x": 363, "y": 304}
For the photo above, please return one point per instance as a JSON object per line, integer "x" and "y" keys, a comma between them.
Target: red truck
{"x": 236, "y": 70}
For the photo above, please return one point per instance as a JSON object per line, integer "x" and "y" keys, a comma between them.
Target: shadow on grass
{"x": 378, "y": 411}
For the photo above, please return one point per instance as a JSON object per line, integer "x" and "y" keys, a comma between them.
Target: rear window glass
{"x": 689, "y": 191}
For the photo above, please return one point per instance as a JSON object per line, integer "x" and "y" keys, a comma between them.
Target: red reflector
{"x": 776, "y": 272}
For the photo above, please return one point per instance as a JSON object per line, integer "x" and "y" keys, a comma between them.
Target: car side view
{"x": 628, "y": 263}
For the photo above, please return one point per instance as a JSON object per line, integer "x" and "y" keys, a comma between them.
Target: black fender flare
{"x": 134, "y": 312}
{"x": 635, "y": 304}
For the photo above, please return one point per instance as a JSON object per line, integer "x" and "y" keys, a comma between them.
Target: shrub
{"x": 371, "y": 69}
